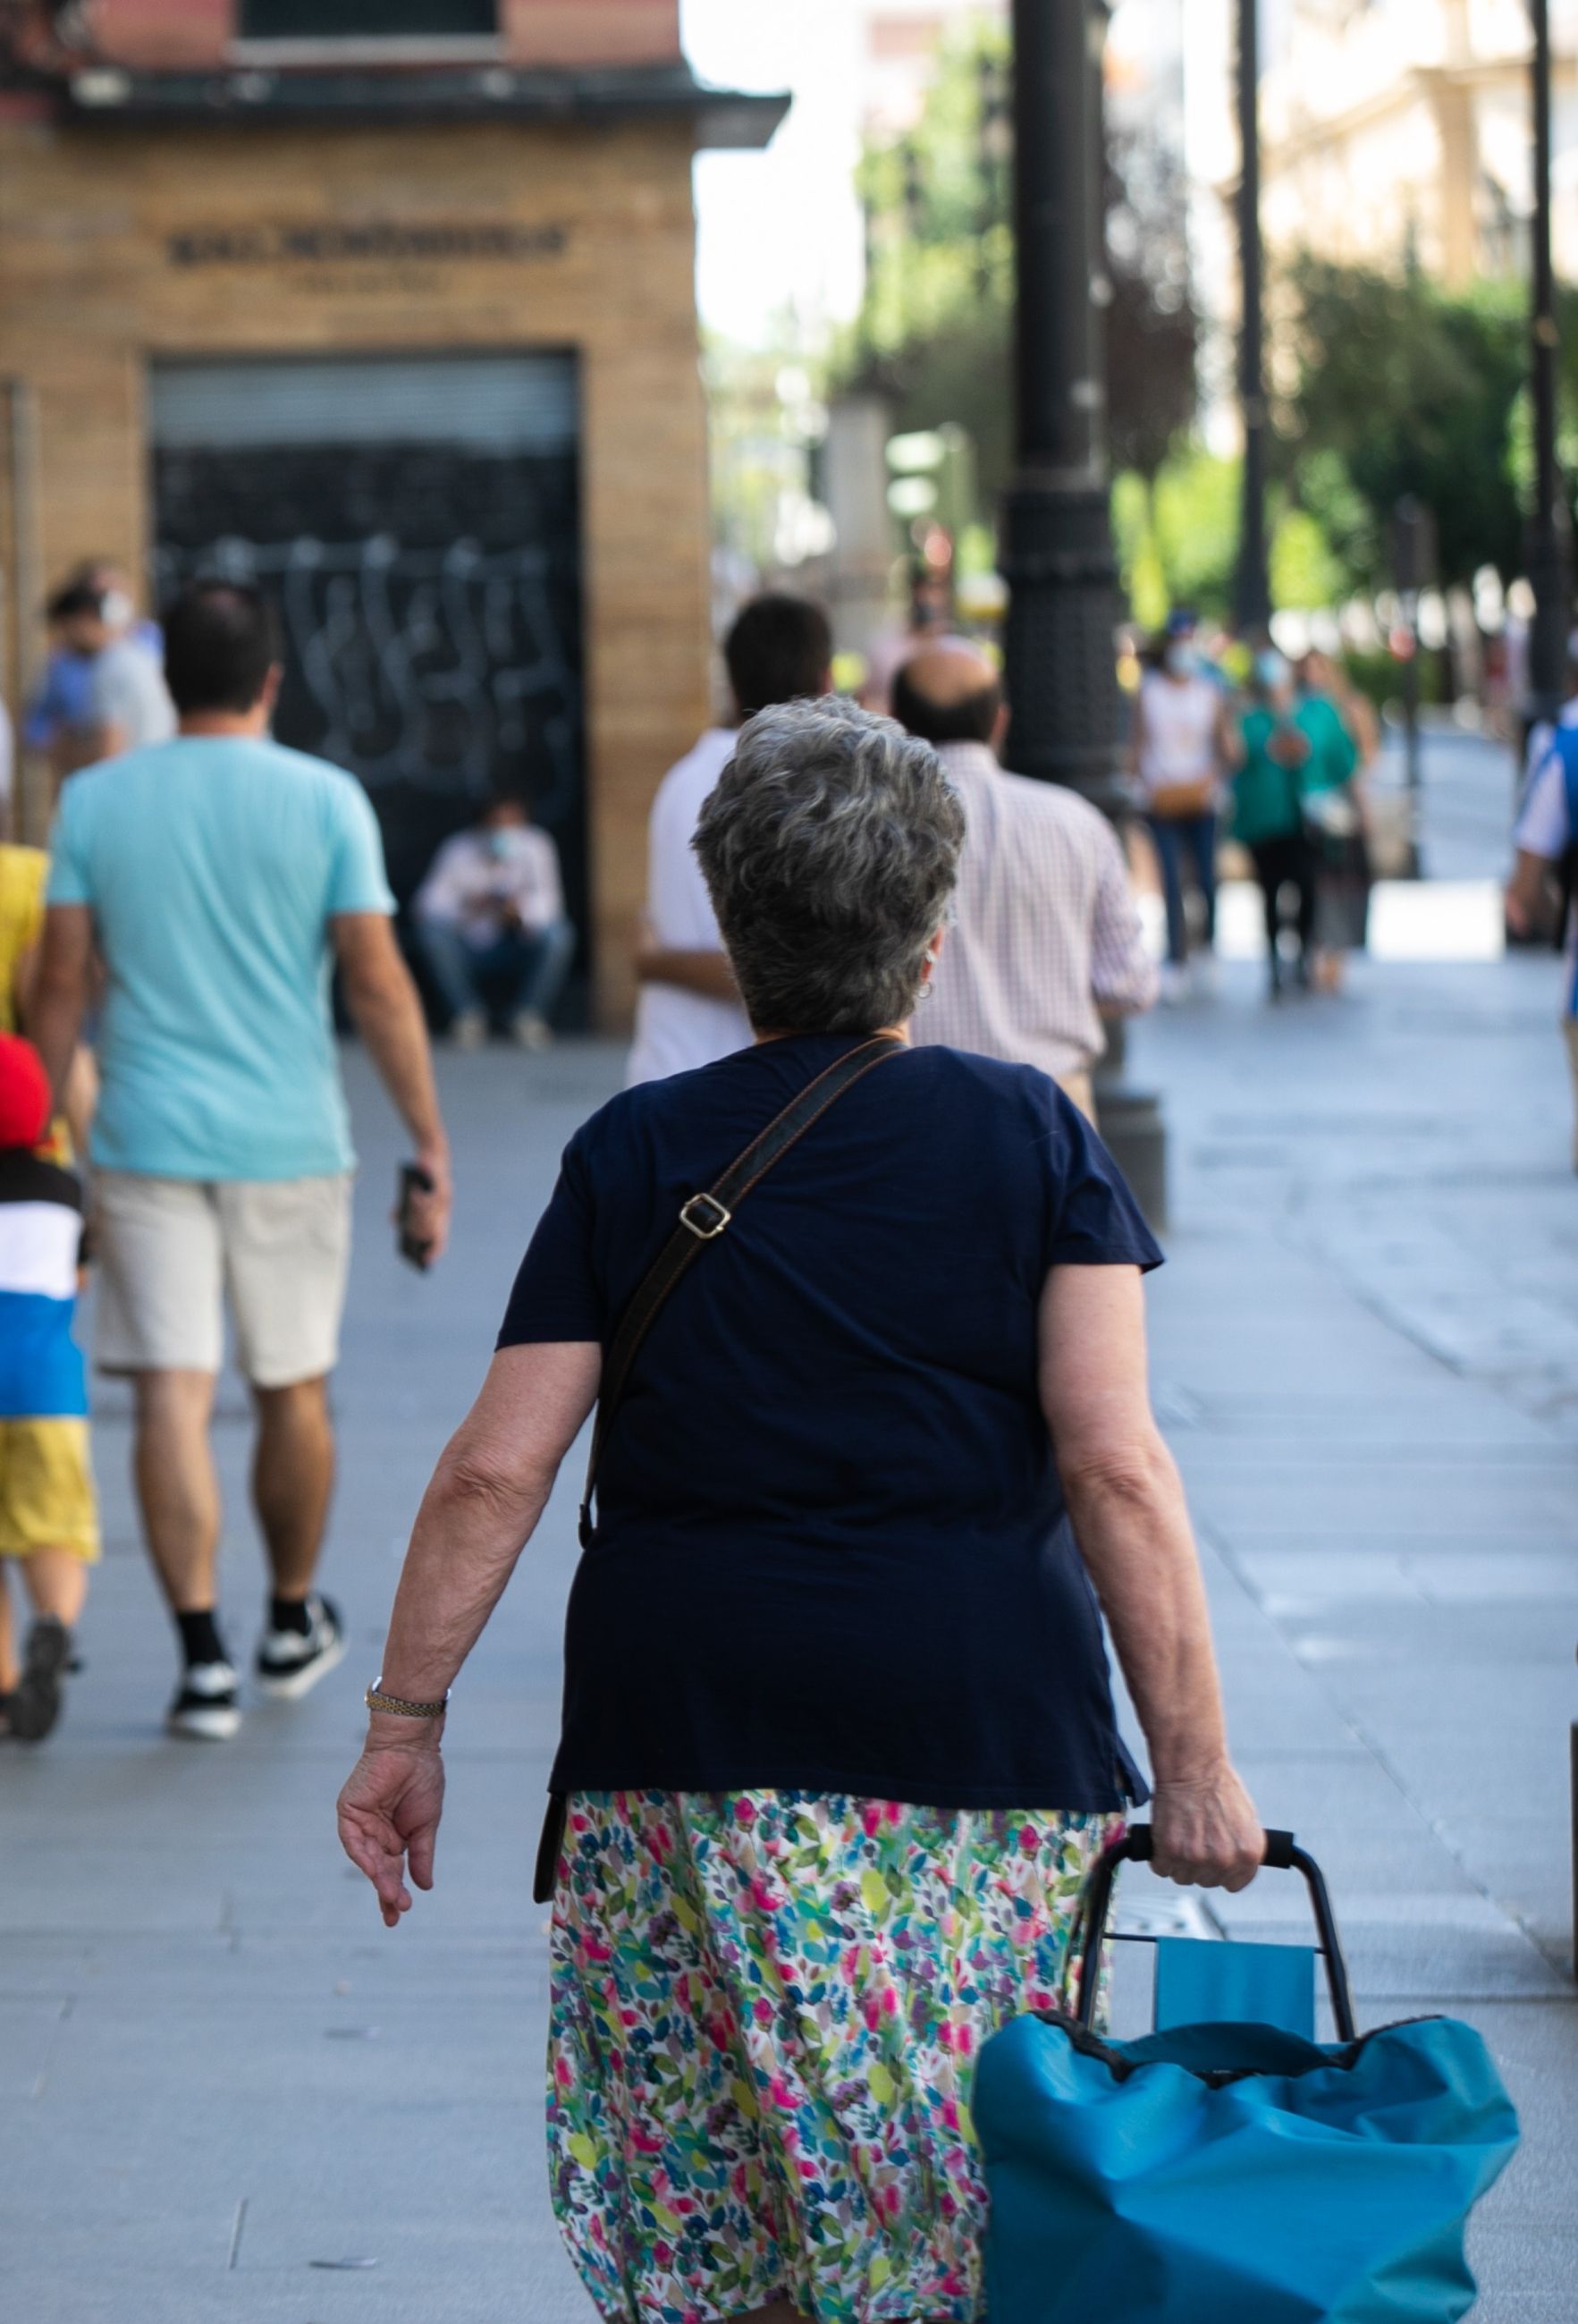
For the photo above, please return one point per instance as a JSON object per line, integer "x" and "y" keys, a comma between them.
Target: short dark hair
{"x": 76, "y": 597}
{"x": 971, "y": 719}
{"x": 220, "y": 642}
{"x": 777, "y": 650}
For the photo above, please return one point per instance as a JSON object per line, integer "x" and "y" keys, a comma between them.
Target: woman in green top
{"x": 1268, "y": 808}
{"x": 1332, "y": 811}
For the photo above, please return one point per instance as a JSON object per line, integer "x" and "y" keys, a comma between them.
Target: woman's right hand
{"x": 388, "y": 1812}
{"x": 1207, "y": 1834}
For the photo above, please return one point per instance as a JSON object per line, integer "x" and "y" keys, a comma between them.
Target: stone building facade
{"x": 392, "y": 306}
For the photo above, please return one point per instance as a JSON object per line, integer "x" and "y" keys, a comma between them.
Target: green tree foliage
{"x": 937, "y": 323}
{"x": 1399, "y": 386}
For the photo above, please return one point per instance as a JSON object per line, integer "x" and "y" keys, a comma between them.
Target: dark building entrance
{"x": 416, "y": 520}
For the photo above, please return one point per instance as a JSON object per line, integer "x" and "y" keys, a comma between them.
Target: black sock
{"x": 290, "y": 1614}
{"x": 199, "y": 1639}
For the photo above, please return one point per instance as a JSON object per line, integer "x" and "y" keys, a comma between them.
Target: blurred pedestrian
{"x": 1543, "y": 734}
{"x": 688, "y": 1013}
{"x": 126, "y": 704}
{"x": 1181, "y": 752}
{"x": 23, "y": 878}
{"x": 58, "y": 714}
{"x": 489, "y": 917}
{"x": 1334, "y": 810}
{"x": 1268, "y": 810}
{"x": 218, "y": 876}
{"x": 1546, "y": 841}
{"x": 1046, "y": 941}
{"x": 839, "y": 1746}
{"x": 49, "y": 1517}
{"x": 928, "y": 620}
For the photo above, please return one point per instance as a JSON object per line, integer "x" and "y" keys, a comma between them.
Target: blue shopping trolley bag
{"x": 1233, "y": 2173}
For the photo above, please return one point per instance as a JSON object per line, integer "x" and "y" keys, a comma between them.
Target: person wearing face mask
{"x": 124, "y": 702}
{"x": 1268, "y": 810}
{"x": 490, "y": 916}
{"x": 1180, "y": 752}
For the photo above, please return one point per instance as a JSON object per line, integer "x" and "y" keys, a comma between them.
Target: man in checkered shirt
{"x": 1046, "y": 938}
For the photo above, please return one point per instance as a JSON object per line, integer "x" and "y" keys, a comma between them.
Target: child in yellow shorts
{"x": 48, "y": 1520}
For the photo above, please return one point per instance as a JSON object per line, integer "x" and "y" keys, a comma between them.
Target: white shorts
{"x": 172, "y": 1250}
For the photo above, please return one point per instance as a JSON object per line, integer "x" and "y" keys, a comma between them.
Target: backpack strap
{"x": 703, "y": 1218}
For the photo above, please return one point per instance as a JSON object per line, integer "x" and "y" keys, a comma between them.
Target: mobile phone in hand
{"x": 414, "y": 1249}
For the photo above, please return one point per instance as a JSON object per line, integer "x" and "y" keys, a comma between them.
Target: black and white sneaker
{"x": 290, "y": 1663}
{"x": 205, "y": 1703}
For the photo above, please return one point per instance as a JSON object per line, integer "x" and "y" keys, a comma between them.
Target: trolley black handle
{"x": 1283, "y": 1854}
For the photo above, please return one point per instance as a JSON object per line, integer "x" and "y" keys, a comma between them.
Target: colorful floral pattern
{"x": 766, "y": 2008}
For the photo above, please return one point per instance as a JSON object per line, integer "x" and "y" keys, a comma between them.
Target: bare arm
{"x": 1123, "y": 978}
{"x": 387, "y": 1014}
{"x": 488, "y": 1491}
{"x": 707, "y": 972}
{"x": 1527, "y": 891}
{"x": 79, "y": 1092}
{"x": 1127, "y": 1503}
{"x": 61, "y": 988}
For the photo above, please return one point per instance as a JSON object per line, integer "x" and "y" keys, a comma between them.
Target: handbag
{"x": 1234, "y": 2170}
{"x": 1183, "y": 802}
{"x": 702, "y": 1219}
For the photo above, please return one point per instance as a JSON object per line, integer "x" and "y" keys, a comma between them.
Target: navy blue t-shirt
{"x": 832, "y": 1550}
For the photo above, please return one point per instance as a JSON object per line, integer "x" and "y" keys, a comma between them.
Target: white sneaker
{"x": 205, "y": 1704}
{"x": 468, "y": 1030}
{"x": 532, "y": 1031}
{"x": 290, "y": 1663}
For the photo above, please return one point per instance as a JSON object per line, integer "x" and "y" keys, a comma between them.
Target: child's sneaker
{"x": 33, "y": 1704}
{"x": 205, "y": 1704}
{"x": 290, "y": 1663}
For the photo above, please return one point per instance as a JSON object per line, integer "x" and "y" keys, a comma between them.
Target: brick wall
{"x": 168, "y": 35}
{"x": 191, "y": 34}
{"x": 92, "y": 292}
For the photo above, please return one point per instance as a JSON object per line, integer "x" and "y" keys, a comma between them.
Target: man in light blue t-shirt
{"x": 219, "y": 877}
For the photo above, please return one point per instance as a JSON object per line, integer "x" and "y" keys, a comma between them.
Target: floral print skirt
{"x": 766, "y": 2010}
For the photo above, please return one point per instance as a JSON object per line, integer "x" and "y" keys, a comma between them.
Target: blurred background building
{"x": 389, "y": 304}
{"x": 1398, "y": 132}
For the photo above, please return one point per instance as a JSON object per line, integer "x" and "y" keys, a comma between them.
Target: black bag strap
{"x": 702, "y": 1219}
{"x": 1283, "y": 1854}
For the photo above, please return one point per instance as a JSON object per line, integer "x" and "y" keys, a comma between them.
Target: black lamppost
{"x": 1252, "y": 595}
{"x": 1057, "y": 551}
{"x": 1549, "y": 566}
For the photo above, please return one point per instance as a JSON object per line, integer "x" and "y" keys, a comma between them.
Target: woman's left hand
{"x": 389, "y": 1814}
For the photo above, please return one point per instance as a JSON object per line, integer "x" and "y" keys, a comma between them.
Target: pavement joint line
{"x": 1357, "y": 1727}
{"x": 238, "y": 2230}
{"x": 62, "y": 2015}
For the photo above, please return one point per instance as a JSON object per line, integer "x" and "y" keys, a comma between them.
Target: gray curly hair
{"x": 830, "y": 848}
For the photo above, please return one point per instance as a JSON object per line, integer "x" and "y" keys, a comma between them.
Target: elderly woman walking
{"x": 838, "y": 1741}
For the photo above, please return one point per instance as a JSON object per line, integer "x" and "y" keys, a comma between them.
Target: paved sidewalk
{"x": 215, "y": 2066}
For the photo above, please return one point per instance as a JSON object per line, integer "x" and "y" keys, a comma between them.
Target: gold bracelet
{"x": 399, "y": 1707}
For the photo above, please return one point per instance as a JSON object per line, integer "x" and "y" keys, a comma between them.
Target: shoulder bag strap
{"x": 702, "y": 1219}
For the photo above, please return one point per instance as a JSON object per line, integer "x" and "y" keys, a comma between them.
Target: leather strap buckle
{"x": 714, "y": 1217}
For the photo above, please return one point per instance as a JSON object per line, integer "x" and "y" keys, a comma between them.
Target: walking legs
{"x": 177, "y": 1491}
{"x": 292, "y": 1477}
